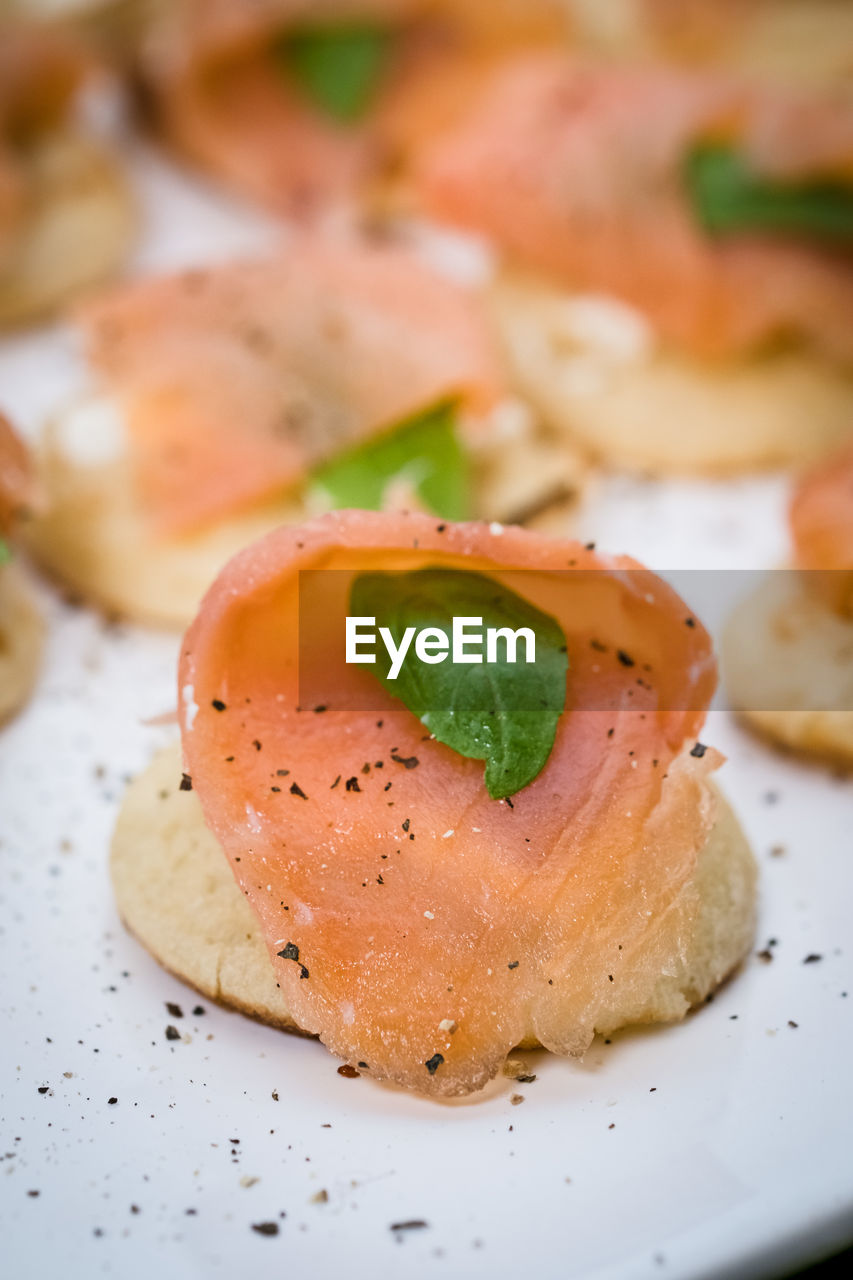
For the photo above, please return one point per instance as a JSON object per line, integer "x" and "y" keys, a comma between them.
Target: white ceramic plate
{"x": 720, "y": 1147}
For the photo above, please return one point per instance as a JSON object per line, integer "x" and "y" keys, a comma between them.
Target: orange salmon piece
{"x": 576, "y": 171}
{"x": 822, "y": 526}
{"x": 396, "y": 898}
{"x": 226, "y": 101}
{"x": 235, "y": 381}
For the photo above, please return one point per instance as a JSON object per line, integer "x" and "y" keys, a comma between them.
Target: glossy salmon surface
{"x": 419, "y": 927}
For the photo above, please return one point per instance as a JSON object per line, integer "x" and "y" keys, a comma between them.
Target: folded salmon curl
{"x": 306, "y": 107}
{"x": 822, "y": 528}
{"x": 229, "y": 400}
{"x": 676, "y": 249}
{"x": 789, "y": 645}
{"x": 419, "y": 926}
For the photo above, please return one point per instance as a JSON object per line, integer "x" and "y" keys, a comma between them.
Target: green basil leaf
{"x": 728, "y": 198}
{"x": 423, "y": 452}
{"x": 5, "y": 552}
{"x": 339, "y": 68}
{"x": 503, "y": 712}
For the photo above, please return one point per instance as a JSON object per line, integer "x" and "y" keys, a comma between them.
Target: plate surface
{"x": 720, "y": 1147}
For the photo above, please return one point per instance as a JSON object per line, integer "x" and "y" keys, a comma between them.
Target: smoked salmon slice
{"x": 822, "y": 528}
{"x": 822, "y": 514}
{"x": 236, "y": 380}
{"x": 420, "y": 928}
{"x": 227, "y": 96}
{"x": 578, "y": 172}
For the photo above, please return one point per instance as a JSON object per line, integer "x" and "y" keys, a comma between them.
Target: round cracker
{"x": 78, "y": 228}
{"x": 788, "y": 660}
{"x": 94, "y": 537}
{"x": 633, "y": 407}
{"x": 176, "y": 893}
{"x": 21, "y": 640}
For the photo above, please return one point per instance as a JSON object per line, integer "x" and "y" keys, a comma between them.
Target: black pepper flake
{"x": 524, "y": 1079}
{"x": 812, "y": 958}
{"x": 440, "y": 528}
{"x": 282, "y": 773}
{"x": 764, "y": 956}
{"x": 625, "y": 658}
{"x": 432, "y": 1064}
{"x": 352, "y": 784}
{"x": 275, "y": 788}
{"x": 174, "y": 1009}
{"x": 111, "y": 1102}
{"x": 413, "y": 1224}
{"x": 408, "y": 762}
{"x": 186, "y": 782}
{"x": 699, "y": 750}
{"x": 290, "y": 952}
{"x": 303, "y": 972}
{"x": 793, "y": 1024}
{"x": 265, "y": 1228}
{"x": 406, "y": 824}
{"x": 513, "y": 964}
{"x": 218, "y": 704}
{"x": 43, "y": 1088}
{"x": 335, "y": 783}
{"x": 256, "y": 744}
{"x": 172, "y": 1033}
{"x": 690, "y": 622}
{"x": 320, "y": 709}
{"x": 296, "y": 790}
{"x": 199, "y": 1011}
{"x": 387, "y": 786}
